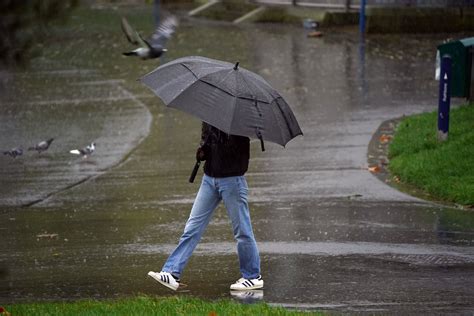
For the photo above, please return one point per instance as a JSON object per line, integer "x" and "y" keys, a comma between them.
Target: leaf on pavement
{"x": 374, "y": 169}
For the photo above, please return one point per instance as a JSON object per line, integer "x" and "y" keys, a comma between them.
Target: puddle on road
{"x": 328, "y": 254}
{"x": 420, "y": 255}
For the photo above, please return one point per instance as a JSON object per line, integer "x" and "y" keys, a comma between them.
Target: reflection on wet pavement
{"x": 331, "y": 235}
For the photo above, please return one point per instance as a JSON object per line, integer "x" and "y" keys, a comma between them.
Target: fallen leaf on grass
{"x": 3, "y": 311}
{"x": 385, "y": 138}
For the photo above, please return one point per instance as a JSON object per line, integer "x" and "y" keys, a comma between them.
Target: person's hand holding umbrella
{"x": 200, "y": 156}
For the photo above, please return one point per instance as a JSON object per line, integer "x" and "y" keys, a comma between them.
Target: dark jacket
{"x": 225, "y": 155}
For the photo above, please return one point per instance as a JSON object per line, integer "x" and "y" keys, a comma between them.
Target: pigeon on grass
{"x": 86, "y": 151}
{"x": 15, "y": 152}
{"x": 42, "y": 146}
{"x": 154, "y": 47}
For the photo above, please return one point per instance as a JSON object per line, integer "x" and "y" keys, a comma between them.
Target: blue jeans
{"x": 233, "y": 191}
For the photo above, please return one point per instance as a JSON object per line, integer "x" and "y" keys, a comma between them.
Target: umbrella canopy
{"x": 233, "y": 99}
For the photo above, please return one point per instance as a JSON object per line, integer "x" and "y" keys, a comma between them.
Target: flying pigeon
{"x": 42, "y": 146}
{"x": 88, "y": 150}
{"x": 155, "y": 46}
{"x": 15, "y": 152}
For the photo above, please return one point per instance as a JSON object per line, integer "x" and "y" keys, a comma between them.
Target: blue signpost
{"x": 444, "y": 97}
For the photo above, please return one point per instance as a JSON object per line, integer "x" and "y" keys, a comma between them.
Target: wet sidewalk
{"x": 331, "y": 235}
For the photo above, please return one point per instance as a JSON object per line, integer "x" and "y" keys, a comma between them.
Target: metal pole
{"x": 362, "y": 16}
{"x": 444, "y": 97}
{"x": 362, "y": 69}
{"x": 156, "y": 12}
{"x": 471, "y": 82}
{"x": 348, "y": 5}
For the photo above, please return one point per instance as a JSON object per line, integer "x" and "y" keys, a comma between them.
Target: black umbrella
{"x": 235, "y": 100}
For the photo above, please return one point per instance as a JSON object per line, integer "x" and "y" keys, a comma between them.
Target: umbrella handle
{"x": 195, "y": 170}
{"x": 259, "y": 135}
{"x": 262, "y": 144}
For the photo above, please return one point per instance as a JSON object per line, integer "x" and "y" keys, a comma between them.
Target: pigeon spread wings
{"x": 164, "y": 31}
{"x": 132, "y": 36}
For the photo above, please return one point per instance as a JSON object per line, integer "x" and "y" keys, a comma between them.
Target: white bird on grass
{"x": 88, "y": 150}
{"x": 155, "y": 46}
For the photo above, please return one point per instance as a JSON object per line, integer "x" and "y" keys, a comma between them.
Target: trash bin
{"x": 461, "y": 52}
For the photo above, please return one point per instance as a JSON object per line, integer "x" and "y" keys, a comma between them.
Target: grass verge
{"x": 444, "y": 170}
{"x": 144, "y": 305}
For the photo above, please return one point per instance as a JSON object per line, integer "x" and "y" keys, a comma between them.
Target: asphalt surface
{"x": 332, "y": 236}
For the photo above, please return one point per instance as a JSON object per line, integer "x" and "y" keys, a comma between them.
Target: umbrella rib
{"x": 260, "y": 80}
{"x": 246, "y": 83}
{"x": 204, "y": 81}
{"x": 216, "y": 86}
{"x": 189, "y": 69}
{"x": 213, "y": 85}
{"x": 276, "y": 120}
{"x": 244, "y": 79}
{"x": 229, "y": 93}
{"x": 285, "y": 118}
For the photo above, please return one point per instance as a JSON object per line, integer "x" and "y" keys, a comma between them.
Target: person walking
{"x": 226, "y": 161}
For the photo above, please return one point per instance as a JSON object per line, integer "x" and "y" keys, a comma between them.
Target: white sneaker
{"x": 166, "y": 279}
{"x": 247, "y": 284}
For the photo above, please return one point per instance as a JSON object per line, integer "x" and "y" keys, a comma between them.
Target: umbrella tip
{"x": 236, "y": 66}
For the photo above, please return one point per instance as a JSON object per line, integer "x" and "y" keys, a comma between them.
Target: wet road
{"x": 332, "y": 236}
